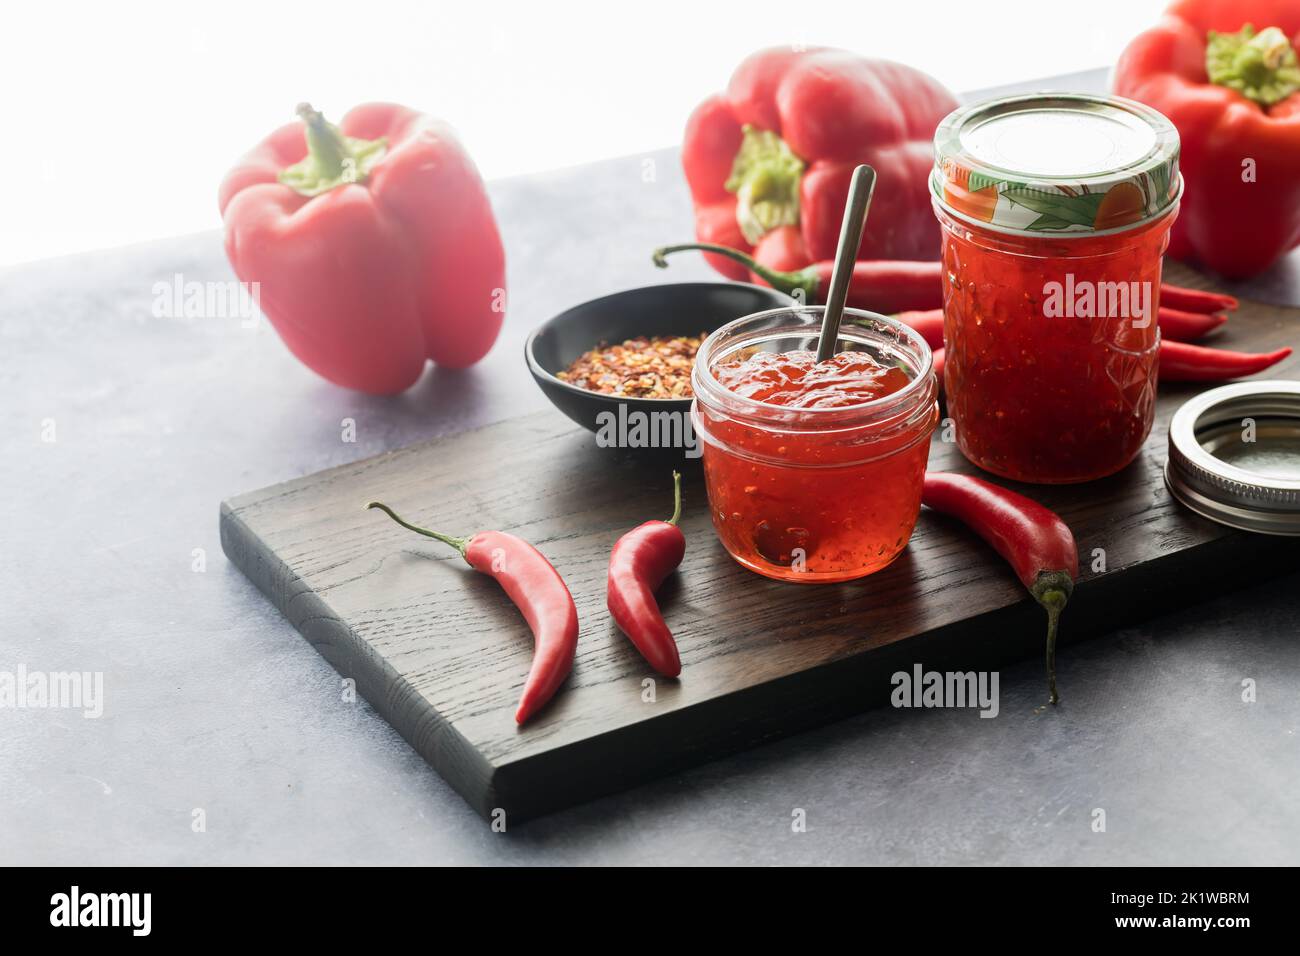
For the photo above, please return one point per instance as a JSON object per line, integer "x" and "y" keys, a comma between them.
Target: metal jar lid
{"x": 1234, "y": 456}
{"x": 1056, "y": 164}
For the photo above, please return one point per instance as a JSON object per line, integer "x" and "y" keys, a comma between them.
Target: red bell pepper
{"x": 1226, "y": 73}
{"x": 778, "y": 148}
{"x": 373, "y": 245}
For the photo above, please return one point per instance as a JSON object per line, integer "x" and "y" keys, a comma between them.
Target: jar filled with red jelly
{"x": 814, "y": 468}
{"x": 1055, "y": 212}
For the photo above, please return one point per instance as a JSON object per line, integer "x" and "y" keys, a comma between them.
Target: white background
{"x": 121, "y": 118}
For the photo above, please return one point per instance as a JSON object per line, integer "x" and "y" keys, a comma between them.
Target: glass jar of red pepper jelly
{"x": 814, "y": 469}
{"x": 1055, "y": 211}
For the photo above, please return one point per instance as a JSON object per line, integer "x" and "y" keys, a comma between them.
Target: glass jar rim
{"x": 702, "y": 373}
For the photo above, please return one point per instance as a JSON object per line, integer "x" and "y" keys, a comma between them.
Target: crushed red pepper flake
{"x": 643, "y": 367}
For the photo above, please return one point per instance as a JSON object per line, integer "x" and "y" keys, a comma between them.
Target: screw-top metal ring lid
{"x": 1056, "y": 164}
{"x": 1234, "y": 456}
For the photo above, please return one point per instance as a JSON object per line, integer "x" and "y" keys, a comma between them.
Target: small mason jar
{"x": 1055, "y": 212}
{"x": 815, "y": 495}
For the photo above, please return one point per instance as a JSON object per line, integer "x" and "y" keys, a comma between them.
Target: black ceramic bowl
{"x": 686, "y": 308}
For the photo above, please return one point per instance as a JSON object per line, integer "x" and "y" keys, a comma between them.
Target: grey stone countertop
{"x": 214, "y": 710}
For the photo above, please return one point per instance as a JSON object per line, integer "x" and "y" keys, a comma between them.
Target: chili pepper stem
{"x": 802, "y": 284}
{"x": 460, "y": 544}
{"x": 1054, "y": 602}
{"x": 677, "y": 497}
{"x": 1052, "y": 589}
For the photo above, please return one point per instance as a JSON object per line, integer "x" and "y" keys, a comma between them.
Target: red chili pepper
{"x": 928, "y": 323}
{"x": 537, "y": 589}
{"x": 1174, "y": 324}
{"x": 1179, "y": 326}
{"x": 889, "y": 285}
{"x": 1034, "y": 540}
{"x": 639, "y": 563}
{"x": 1195, "y": 300}
{"x": 884, "y": 285}
{"x": 1180, "y": 362}
{"x": 939, "y": 356}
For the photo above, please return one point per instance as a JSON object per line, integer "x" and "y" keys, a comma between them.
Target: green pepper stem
{"x": 460, "y": 544}
{"x": 765, "y": 177}
{"x": 1054, "y": 602}
{"x": 802, "y": 284}
{"x": 1052, "y": 589}
{"x": 333, "y": 159}
{"x": 324, "y": 141}
{"x": 1261, "y": 66}
{"x": 677, "y": 497}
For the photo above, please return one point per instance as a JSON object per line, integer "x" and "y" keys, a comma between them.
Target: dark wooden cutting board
{"x": 441, "y": 653}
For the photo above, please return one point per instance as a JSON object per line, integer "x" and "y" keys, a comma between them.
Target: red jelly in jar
{"x": 1056, "y": 211}
{"x": 814, "y": 469}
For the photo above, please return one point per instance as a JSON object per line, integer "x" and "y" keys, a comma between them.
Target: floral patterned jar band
{"x": 1056, "y": 164}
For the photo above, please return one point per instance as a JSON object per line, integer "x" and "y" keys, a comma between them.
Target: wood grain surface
{"x": 441, "y": 653}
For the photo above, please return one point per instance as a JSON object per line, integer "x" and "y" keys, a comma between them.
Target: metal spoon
{"x": 855, "y": 217}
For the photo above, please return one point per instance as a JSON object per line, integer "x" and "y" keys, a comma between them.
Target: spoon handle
{"x": 861, "y": 187}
